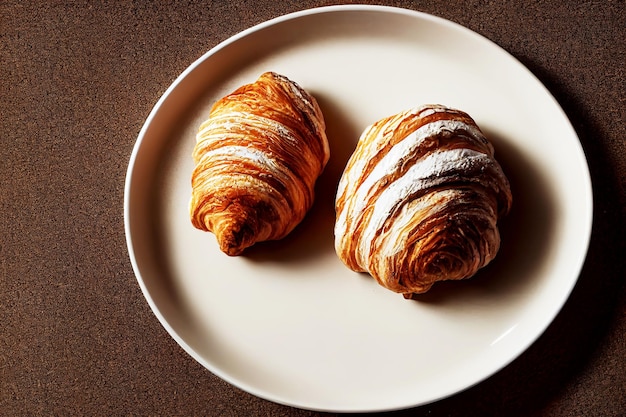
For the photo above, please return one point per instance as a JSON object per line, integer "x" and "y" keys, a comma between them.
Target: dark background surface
{"x": 77, "y": 82}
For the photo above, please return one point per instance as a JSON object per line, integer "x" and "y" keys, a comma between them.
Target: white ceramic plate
{"x": 288, "y": 322}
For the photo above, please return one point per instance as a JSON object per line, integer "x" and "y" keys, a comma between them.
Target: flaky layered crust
{"x": 419, "y": 200}
{"x": 257, "y": 158}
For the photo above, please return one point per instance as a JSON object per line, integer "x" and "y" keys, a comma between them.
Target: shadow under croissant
{"x": 314, "y": 235}
{"x": 526, "y": 232}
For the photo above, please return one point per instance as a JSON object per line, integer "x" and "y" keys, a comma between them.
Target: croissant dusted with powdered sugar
{"x": 419, "y": 200}
{"x": 257, "y": 157}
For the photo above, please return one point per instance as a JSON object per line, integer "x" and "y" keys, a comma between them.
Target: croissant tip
{"x": 235, "y": 238}
{"x": 231, "y": 250}
{"x": 417, "y": 291}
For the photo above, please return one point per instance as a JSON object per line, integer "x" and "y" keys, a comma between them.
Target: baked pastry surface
{"x": 257, "y": 156}
{"x": 419, "y": 200}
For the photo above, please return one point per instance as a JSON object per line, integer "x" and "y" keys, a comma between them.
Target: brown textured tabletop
{"x": 77, "y": 80}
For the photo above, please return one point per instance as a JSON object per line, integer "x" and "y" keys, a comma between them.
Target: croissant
{"x": 419, "y": 200}
{"x": 257, "y": 158}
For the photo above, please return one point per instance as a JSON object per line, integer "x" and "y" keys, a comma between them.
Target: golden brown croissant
{"x": 257, "y": 158}
{"x": 419, "y": 199}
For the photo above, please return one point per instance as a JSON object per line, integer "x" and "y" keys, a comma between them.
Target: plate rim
{"x": 265, "y": 394}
